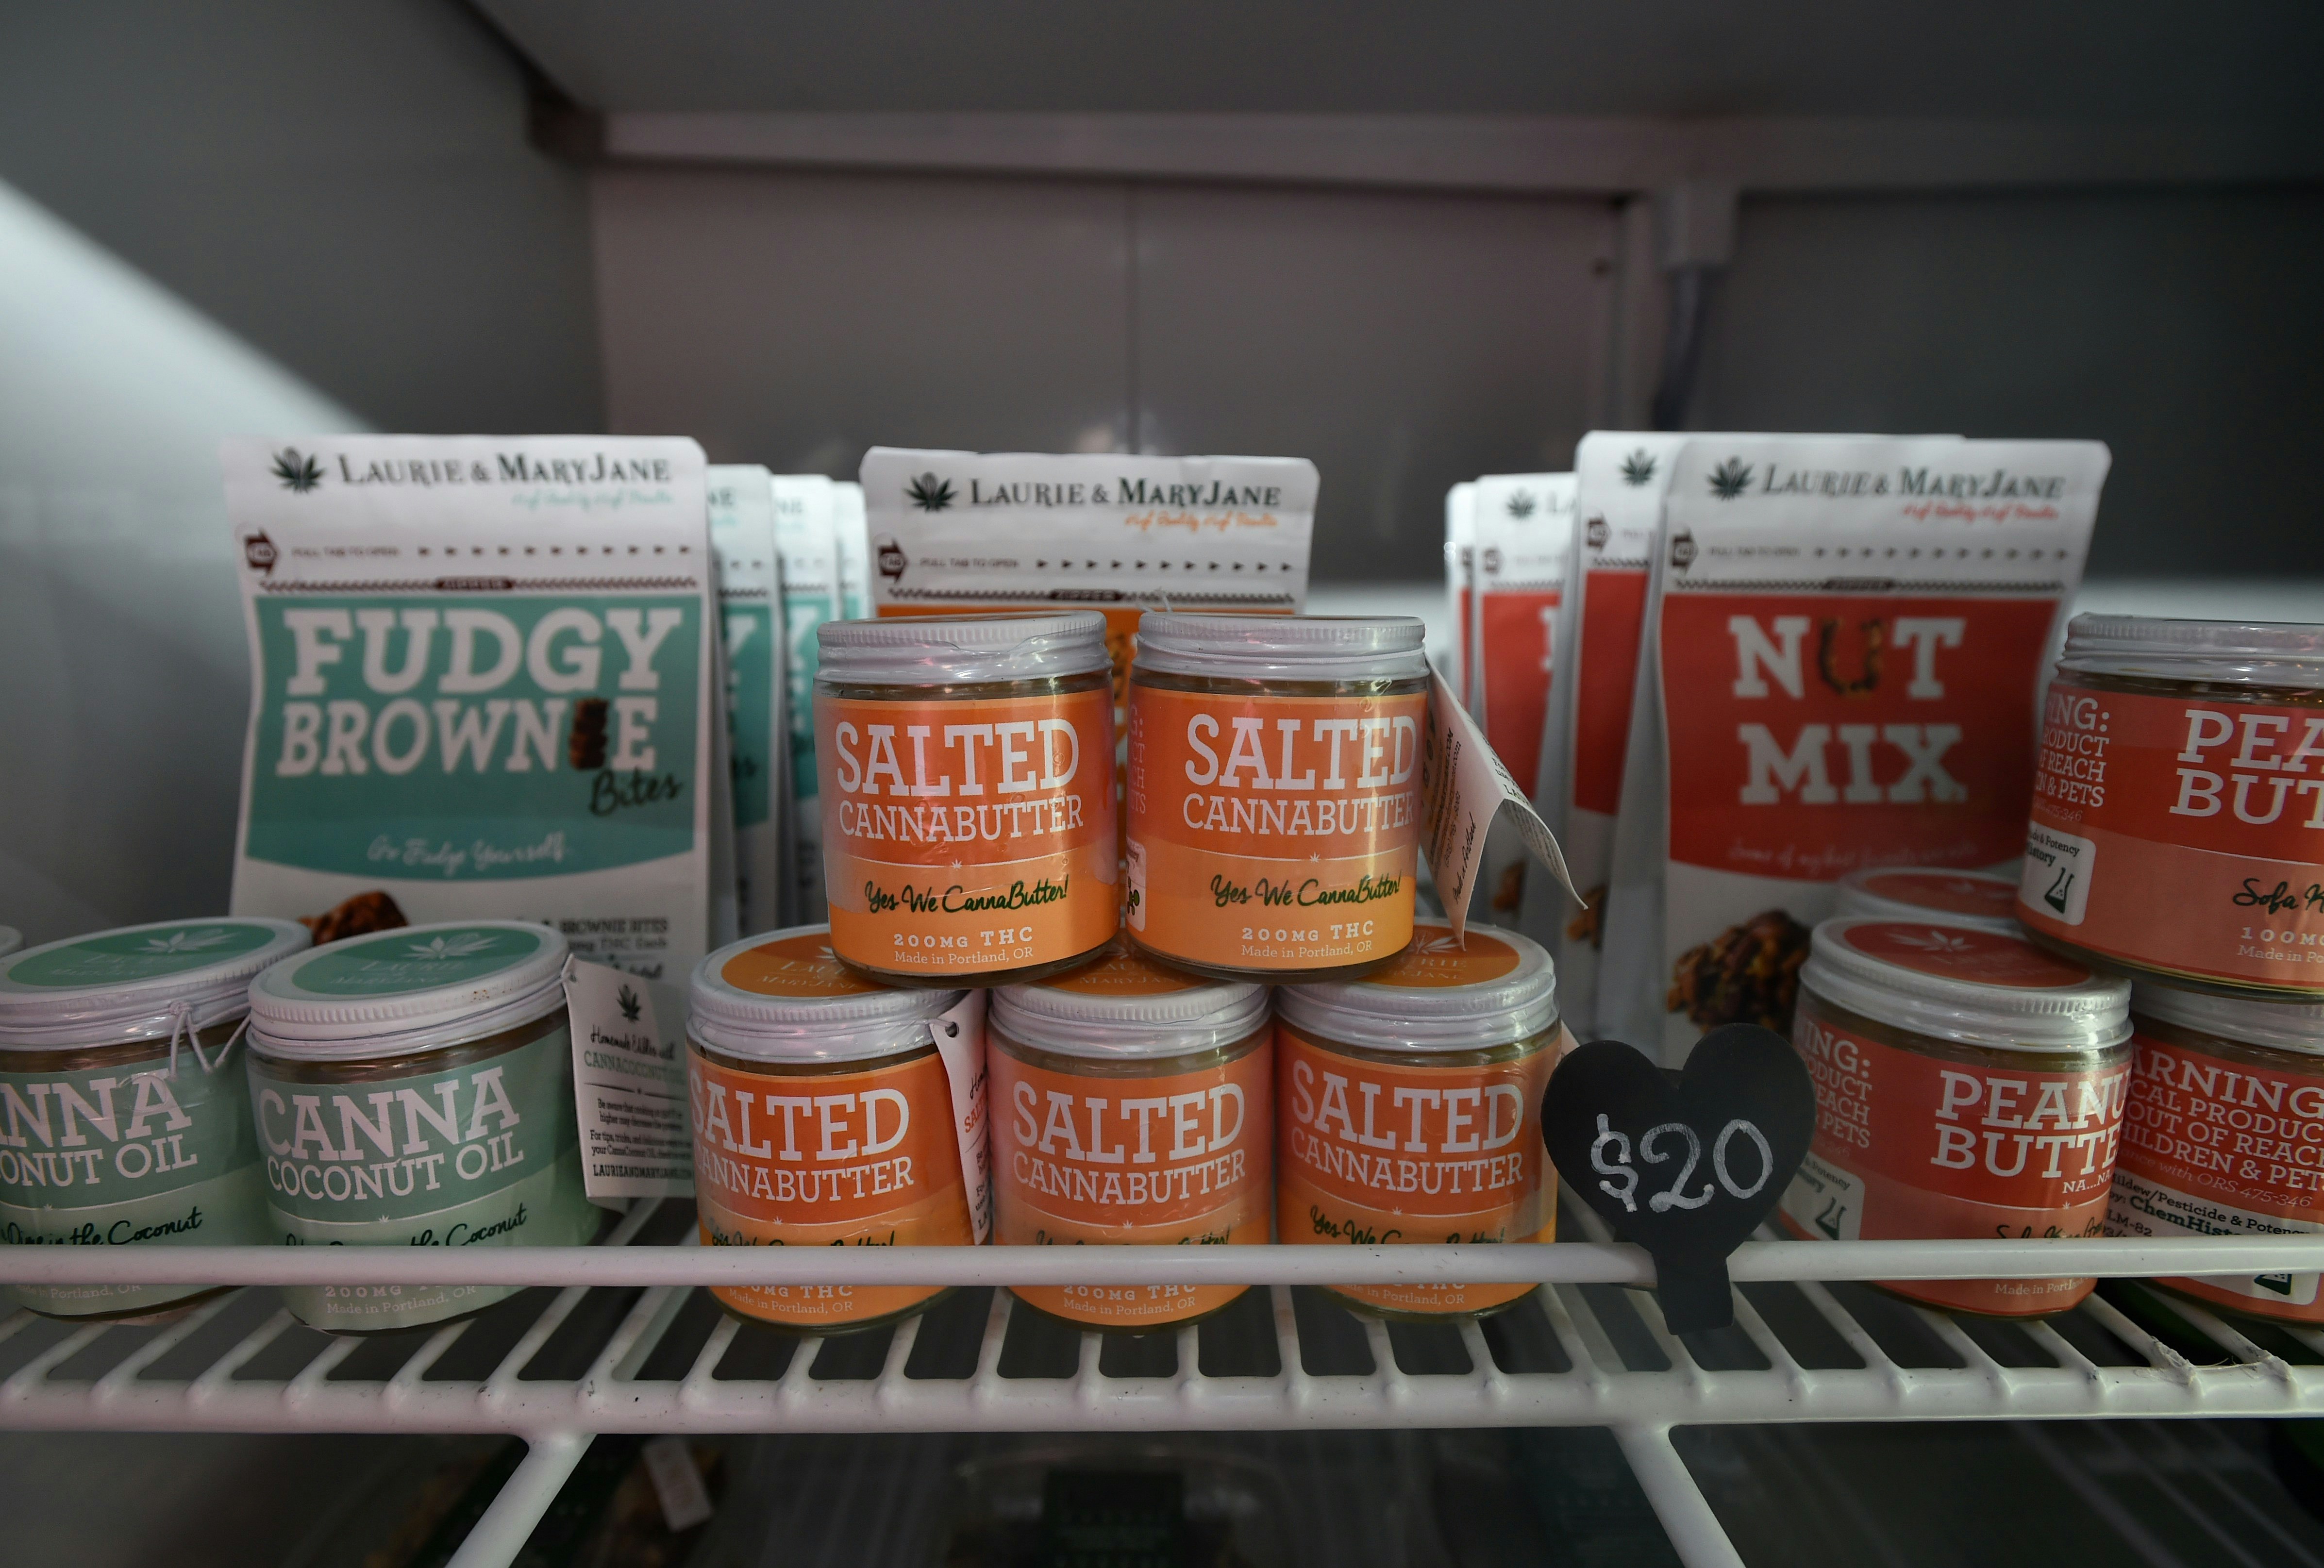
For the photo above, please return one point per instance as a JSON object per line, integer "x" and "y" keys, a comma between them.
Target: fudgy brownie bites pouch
{"x": 806, "y": 541}
{"x": 480, "y": 684}
{"x": 1846, "y": 643}
{"x": 750, "y": 622}
{"x": 1525, "y": 540}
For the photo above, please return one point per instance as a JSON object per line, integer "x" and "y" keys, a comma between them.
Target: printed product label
{"x": 840, "y": 1159}
{"x": 751, "y": 711}
{"x": 1272, "y": 832}
{"x": 1518, "y": 632}
{"x": 1907, "y": 1147}
{"x": 2181, "y": 834}
{"x": 968, "y": 837}
{"x": 1176, "y": 1159}
{"x": 485, "y": 1154}
{"x": 1373, "y": 1155}
{"x": 120, "y": 958}
{"x": 127, "y": 1154}
{"x": 1977, "y": 898}
{"x": 2213, "y": 1148}
{"x": 1613, "y": 608}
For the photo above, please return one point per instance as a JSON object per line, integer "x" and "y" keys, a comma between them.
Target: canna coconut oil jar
{"x": 966, "y": 768}
{"x": 1134, "y": 1107}
{"x": 1408, "y": 1110}
{"x": 824, "y": 1116}
{"x": 125, "y": 1118}
{"x": 415, "y": 1089}
{"x": 1274, "y": 793}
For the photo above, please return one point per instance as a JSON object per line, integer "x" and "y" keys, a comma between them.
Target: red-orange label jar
{"x": 1951, "y": 898}
{"x": 2225, "y": 1136}
{"x": 2178, "y": 828}
{"x": 1132, "y": 1108}
{"x": 1968, "y": 1084}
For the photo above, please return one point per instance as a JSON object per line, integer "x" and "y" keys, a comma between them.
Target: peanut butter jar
{"x": 1133, "y": 1110}
{"x": 1968, "y": 1084}
{"x": 125, "y": 1117}
{"x": 824, "y": 1116}
{"x": 966, "y": 767}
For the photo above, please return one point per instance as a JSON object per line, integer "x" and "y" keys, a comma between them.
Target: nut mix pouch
{"x": 808, "y": 544}
{"x": 1460, "y": 573}
{"x": 480, "y": 686}
{"x": 1846, "y": 641}
{"x": 743, "y": 539}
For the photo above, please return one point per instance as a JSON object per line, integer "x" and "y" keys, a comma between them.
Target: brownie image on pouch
{"x": 1748, "y": 973}
{"x": 584, "y": 748}
{"x": 356, "y": 917}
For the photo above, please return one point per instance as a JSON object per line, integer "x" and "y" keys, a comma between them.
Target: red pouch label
{"x": 1518, "y": 628}
{"x": 1613, "y": 609}
{"x": 2184, "y": 835}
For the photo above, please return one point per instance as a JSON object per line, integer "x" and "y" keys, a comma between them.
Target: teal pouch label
{"x": 485, "y": 1154}
{"x": 127, "y": 1156}
{"x": 750, "y": 709}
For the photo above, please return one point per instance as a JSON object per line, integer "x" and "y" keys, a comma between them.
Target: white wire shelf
{"x": 630, "y": 1344}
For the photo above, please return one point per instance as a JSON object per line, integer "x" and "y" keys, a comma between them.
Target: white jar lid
{"x": 1965, "y": 983}
{"x": 2235, "y": 652}
{"x": 783, "y": 997}
{"x": 1436, "y": 995}
{"x": 1928, "y": 893}
{"x": 938, "y": 650}
{"x": 1283, "y": 647}
{"x": 1124, "y": 1006}
{"x": 2283, "y": 1026}
{"x": 139, "y": 983}
{"x": 396, "y": 993}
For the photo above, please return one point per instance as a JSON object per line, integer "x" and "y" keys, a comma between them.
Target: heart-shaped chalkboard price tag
{"x": 1686, "y": 1165}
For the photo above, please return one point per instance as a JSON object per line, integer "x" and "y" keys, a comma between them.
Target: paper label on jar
{"x": 1373, "y": 1154}
{"x": 628, "y": 1084}
{"x": 1175, "y": 1159}
{"x": 968, "y": 837}
{"x": 1909, "y": 1146}
{"x": 2181, "y": 834}
{"x": 485, "y": 1154}
{"x": 864, "y": 1158}
{"x": 127, "y": 1154}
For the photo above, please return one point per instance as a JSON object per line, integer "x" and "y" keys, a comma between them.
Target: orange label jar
{"x": 2225, "y": 1136}
{"x": 1133, "y": 1108}
{"x": 1408, "y": 1110}
{"x": 1274, "y": 792}
{"x": 2178, "y": 825}
{"x": 824, "y": 1116}
{"x": 1968, "y": 1084}
{"x": 1950, "y": 898}
{"x": 966, "y": 772}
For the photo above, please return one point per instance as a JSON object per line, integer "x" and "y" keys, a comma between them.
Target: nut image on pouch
{"x": 1408, "y": 1110}
{"x": 1968, "y": 1084}
{"x": 1274, "y": 792}
{"x": 1746, "y": 974}
{"x": 823, "y": 1117}
{"x": 1134, "y": 1108}
{"x": 124, "y": 1119}
{"x": 415, "y": 1089}
{"x": 966, "y": 767}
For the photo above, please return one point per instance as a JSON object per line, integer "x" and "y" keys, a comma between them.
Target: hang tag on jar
{"x": 1463, "y": 787}
{"x": 1685, "y": 1163}
{"x": 960, "y": 1041}
{"x": 629, "y": 1086}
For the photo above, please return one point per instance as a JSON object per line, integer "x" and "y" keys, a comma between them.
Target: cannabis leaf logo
{"x": 1638, "y": 468}
{"x": 465, "y": 946}
{"x": 1521, "y": 503}
{"x": 297, "y": 473}
{"x": 1731, "y": 479}
{"x": 929, "y": 493}
{"x": 1932, "y": 941}
{"x": 187, "y": 941}
{"x": 630, "y": 1004}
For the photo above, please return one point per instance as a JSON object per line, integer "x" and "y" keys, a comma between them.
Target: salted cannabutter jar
{"x": 2178, "y": 828}
{"x": 967, "y": 776}
{"x": 1274, "y": 792}
{"x": 1968, "y": 1084}
{"x": 1927, "y": 893}
{"x": 415, "y": 1089}
{"x": 823, "y": 1117}
{"x": 1408, "y": 1108}
{"x": 1134, "y": 1108}
{"x": 2225, "y": 1135}
{"x": 124, "y": 1116}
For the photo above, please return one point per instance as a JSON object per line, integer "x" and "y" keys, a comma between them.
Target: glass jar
{"x": 124, "y": 1116}
{"x": 824, "y": 1115}
{"x": 966, "y": 770}
{"x": 1968, "y": 1084}
{"x": 1274, "y": 793}
{"x": 1408, "y": 1110}
{"x": 2225, "y": 1136}
{"x": 10, "y": 940}
{"x": 414, "y": 1088}
{"x": 1135, "y": 1107}
{"x": 2178, "y": 829}
{"x": 1951, "y": 898}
